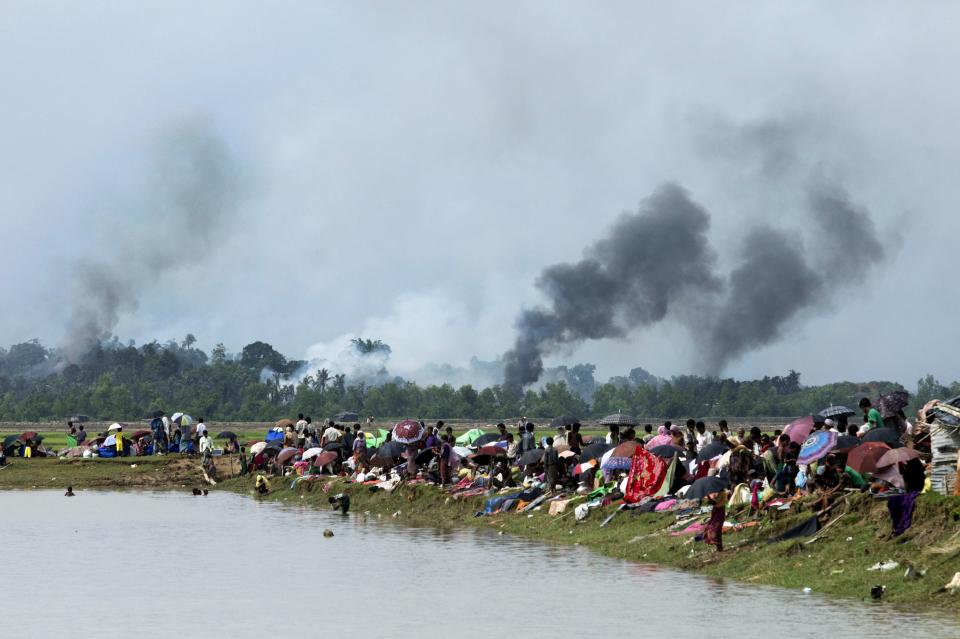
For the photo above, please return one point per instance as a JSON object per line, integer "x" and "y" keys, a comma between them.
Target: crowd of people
{"x": 677, "y": 465}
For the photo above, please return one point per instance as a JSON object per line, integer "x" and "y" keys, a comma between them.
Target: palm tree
{"x": 323, "y": 378}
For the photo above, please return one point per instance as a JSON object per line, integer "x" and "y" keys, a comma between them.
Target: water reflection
{"x": 227, "y": 565}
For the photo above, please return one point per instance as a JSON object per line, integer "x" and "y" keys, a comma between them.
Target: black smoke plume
{"x": 649, "y": 261}
{"x": 658, "y": 263}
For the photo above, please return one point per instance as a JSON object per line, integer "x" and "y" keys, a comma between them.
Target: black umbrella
{"x": 488, "y": 438}
{"x": 666, "y": 451}
{"x": 888, "y": 436}
{"x": 563, "y": 420}
{"x": 9, "y": 440}
{"x": 226, "y": 434}
{"x": 333, "y": 446}
{"x": 157, "y": 413}
{"x": 531, "y": 457}
{"x": 425, "y": 455}
{"x": 706, "y": 486}
{"x": 711, "y": 450}
{"x": 837, "y": 411}
{"x": 391, "y": 449}
{"x": 846, "y": 442}
{"x": 594, "y": 451}
{"x": 619, "y": 419}
{"x": 891, "y": 404}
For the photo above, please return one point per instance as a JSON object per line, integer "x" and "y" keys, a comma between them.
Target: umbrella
{"x": 705, "y": 486}
{"x": 324, "y": 458}
{"x": 583, "y": 467}
{"x": 891, "y": 404}
{"x": 390, "y": 450}
{"x": 257, "y": 448}
{"x": 94, "y": 441}
{"x": 346, "y": 416}
{"x": 619, "y": 419}
{"x": 837, "y": 411}
{"x": 285, "y": 454}
{"x": 897, "y": 455}
{"x": 9, "y": 440}
{"x": 711, "y": 450}
{"x": 799, "y": 429}
{"x": 483, "y": 440}
{"x": 846, "y": 442}
{"x": 283, "y": 423}
{"x": 310, "y": 453}
{"x": 425, "y": 455}
{"x": 27, "y": 436}
{"x": 531, "y": 457}
{"x": 226, "y": 434}
{"x": 566, "y": 454}
{"x": 595, "y": 451}
{"x": 888, "y": 436}
{"x": 157, "y": 414}
{"x": 408, "y": 431}
{"x": 817, "y": 446}
{"x": 462, "y": 451}
{"x": 666, "y": 452}
{"x": 486, "y": 454}
{"x": 864, "y": 457}
{"x": 562, "y": 448}
{"x": 619, "y": 458}
{"x": 563, "y": 420}
{"x": 182, "y": 418}
{"x": 469, "y": 437}
{"x": 73, "y": 451}
{"x": 143, "y": 432}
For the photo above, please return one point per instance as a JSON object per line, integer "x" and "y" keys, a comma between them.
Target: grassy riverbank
{"x": 835, "y": 564}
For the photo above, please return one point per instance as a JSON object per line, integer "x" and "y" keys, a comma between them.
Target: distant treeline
{"x": 117, "y": 381}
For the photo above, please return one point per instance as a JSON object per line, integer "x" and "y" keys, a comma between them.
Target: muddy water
{"x": 172, "y": 565}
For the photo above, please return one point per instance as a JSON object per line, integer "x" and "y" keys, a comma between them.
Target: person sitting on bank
{"x": 262, "y": 485}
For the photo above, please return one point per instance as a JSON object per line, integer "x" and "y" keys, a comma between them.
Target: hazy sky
{"x": 408, "y": 169}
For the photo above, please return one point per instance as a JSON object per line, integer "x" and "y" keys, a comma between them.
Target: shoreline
{"x": 835, "y": 564}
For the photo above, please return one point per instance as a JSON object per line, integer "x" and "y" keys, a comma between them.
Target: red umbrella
{"x": 864, "y": 457}
{"x": 143, "y": 432}
{"x": 799, "y": 429}
{"x": 27, "y": 436}
{"x": 486, "y": 454}
{"x": 897, "y": 455}
{"x": 408, "y": 432}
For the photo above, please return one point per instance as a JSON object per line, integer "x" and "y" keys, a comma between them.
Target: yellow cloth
{"x": 27, "y": 452}
{"x": 119, "y": 443}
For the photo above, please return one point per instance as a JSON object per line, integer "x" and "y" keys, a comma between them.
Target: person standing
{"x": 206, "y": 445}
{"x": 871, "y": 416}
{"x": 118, "y": 437}
{"x": 359, "y": 449}
{"x": 301, "y": 424}
{"x": 446, "y": 454}
{"x": 703, "y": 436}
{"x": 551, "y": 464}
{"x": 81, "y": 435}
{"x": 527, "y": 440}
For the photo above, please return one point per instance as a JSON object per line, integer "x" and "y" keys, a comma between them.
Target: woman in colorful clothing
{"x": 713, "y": 533}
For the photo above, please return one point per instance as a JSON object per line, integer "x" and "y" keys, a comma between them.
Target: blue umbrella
{"x": 816, "y": 446}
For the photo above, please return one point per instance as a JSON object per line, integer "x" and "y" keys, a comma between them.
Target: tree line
{"x": 124, "y": 381}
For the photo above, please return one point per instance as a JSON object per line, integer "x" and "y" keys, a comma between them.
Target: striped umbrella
{"x": 817, "y": 446}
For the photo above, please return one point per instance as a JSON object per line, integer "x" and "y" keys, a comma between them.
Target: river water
{"x": 156, "y": 564}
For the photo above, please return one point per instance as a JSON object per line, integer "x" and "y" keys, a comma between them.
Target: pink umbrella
{"x": 799, "y": 429}
{"x": 408, "y": 432}
{"x": 285, "y": 454}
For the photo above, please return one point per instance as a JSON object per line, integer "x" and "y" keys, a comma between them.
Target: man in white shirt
{"x": 703, "y": 437}
{"x": 331, "y": 434}
{"x": 206, "y": 443}
{"x": 301, "y": 424}
{"x": 201, "y": 428}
